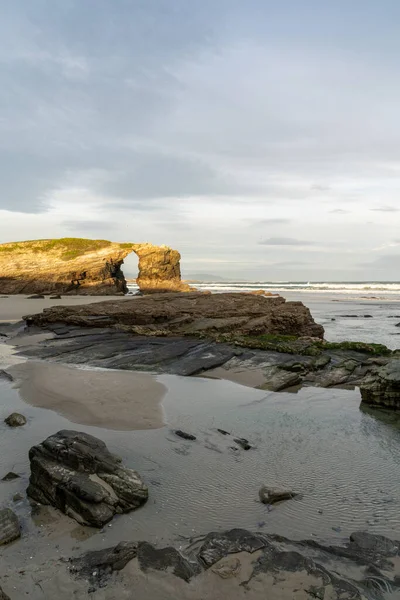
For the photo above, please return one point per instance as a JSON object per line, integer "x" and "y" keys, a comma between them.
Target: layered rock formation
{"x": 384, "y": 390}
{"x": 76, "y": 473}
{"x": 81, "y": 266}
{"x": 191, "y": 314}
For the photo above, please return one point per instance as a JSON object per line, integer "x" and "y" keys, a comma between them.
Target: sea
{"x": 359, "y": 311}
{"x": 360, "y": 289}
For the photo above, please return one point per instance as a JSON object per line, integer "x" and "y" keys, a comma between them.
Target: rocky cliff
{"x": 82, "y": 266}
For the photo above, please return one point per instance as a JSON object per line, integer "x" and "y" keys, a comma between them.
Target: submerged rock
{"x": 184, "y": 435}
{"x": 55, "y": 297}
{"x": 5, "y": 376}
{"x": 76, "y": 473}
{"x": 243, "y": 443}
{"x": 10, "y": 476}
{"x": 3, "y": 596}
{"x": 272, "y": 495}
{"x": 9, "y": 526}
{"x": 35, "y": 297}
{"x": 15, "y": 420}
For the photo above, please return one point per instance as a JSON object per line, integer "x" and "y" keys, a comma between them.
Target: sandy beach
{"x": 112, "y": 399}
{"x": 13, "y": 308}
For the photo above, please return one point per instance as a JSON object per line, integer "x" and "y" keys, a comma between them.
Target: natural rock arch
{"x": 82, "y": 266}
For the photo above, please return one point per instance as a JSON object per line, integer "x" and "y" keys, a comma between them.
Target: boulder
{"x": 35, "y": 297}
{"x": 76, "y": 473}
{"x": 272, "y": 495}
{"x": 384, "y": 390}
{"x": 9, "y": 526}
{"x": 5, "y": 376}
{"x": 15, "y": 420}
{"x": 3, "y": 596}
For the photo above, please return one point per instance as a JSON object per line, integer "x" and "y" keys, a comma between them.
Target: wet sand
{"x": 54, "y": 580}
{"x": 13, "y": 308}
{"x": 118, "y": 400}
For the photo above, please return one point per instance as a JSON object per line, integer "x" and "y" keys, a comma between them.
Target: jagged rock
{"x": 15, "y": 420}
{"x": 9, "y": 526}
{"x": 76, "y": 473}
{"x": 17, "y": 497}
{"x": 97, "y": 566}
{"x": 195, "y": 313}
{"x": 272, "y": 495}
{"x": 184, "y": 435}
{"x": 92, "y": 267}
{"x": 10, "y": 476}
{"x": 166, "y": 559}
{"x": 384, "y": 390}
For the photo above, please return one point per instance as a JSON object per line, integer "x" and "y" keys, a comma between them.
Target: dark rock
{"x": 374, "y": 545}
{"x": 223, "y": 431}
{"x": 5, "y": 376}
{"x": 243, "y": 443}
{"x": 397, "y": 325}
{"x": 35, "y": 297}
{"x": 98, "y": 566}
{"x": 384, "y": 390}
{"x": 55, "y": 297}
{"x": 76, "y": 473}
{"x": 184, "y": 435}
{"x": 9, "y": 526}
{"x": 17, "y": 497}
{"x": 368, "y": 317}
{"x": 10, "y": 476}
{"x": 272, "y": 495}
{"x": 166, "y": 559}
{"x": 15, "y": 420}
{"x": 218, "y": 545}
{"x": 3, "y": 596}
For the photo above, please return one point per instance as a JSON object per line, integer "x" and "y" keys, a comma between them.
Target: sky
{"x": 261, "y": 139}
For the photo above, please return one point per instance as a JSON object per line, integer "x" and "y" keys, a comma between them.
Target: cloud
{"x": 339, "y": 211}
{"x": 272, "y": 221}
{"x": 284, "y": 241}
{"x": 386, "y": 209}
{"x": 320, "y": 188}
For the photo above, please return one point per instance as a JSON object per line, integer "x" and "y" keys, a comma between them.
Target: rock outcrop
{"x": 76, "y": 473}
{"x": 191, "y": 314}
{"x": 268, "y": 566}
{"x": 384, "y": 390}
{"x": 82, "y": 266}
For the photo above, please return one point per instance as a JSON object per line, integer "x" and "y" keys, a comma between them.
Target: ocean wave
{"x": 368, "y": 288}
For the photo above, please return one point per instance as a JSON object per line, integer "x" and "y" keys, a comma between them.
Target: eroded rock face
{"x": 82, "y": 266}
{"x": 195, "y": 313}
{"x": 384, "y": 390}
{"x": 76, "y": 473}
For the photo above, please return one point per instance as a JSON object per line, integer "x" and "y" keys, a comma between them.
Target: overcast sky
{"x": 259, "y": 138}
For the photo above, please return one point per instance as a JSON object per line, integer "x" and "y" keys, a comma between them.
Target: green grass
{"x": 70, "y": 248}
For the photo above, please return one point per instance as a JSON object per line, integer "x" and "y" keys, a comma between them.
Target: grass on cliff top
{"x": 70, "y": 247}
